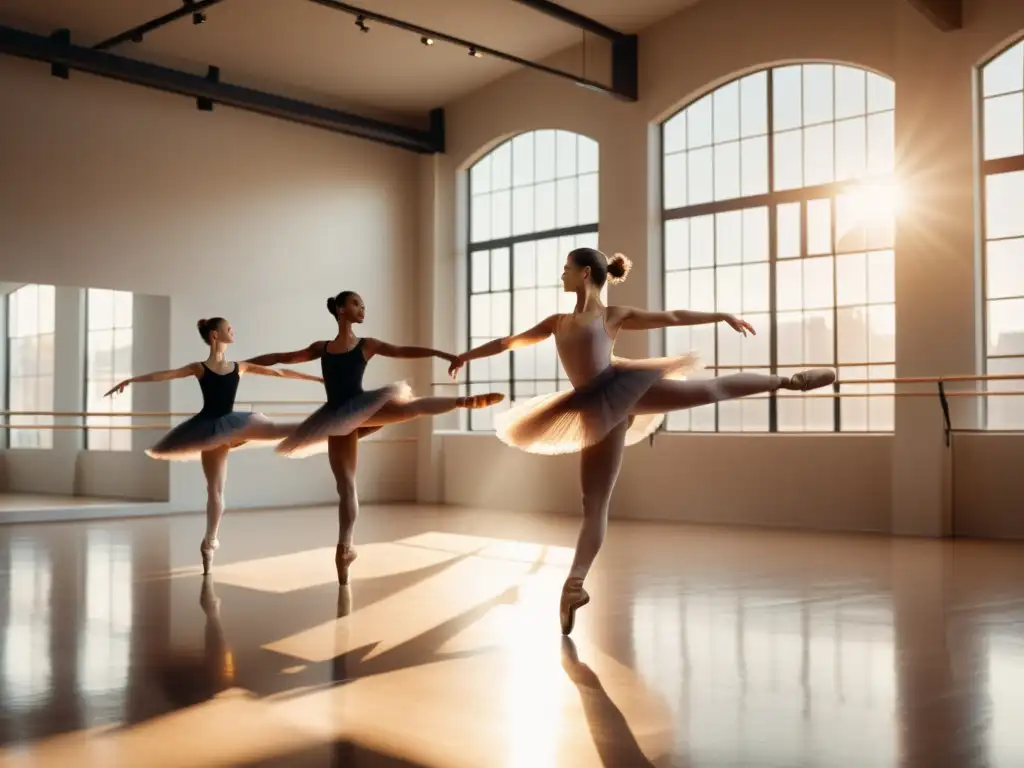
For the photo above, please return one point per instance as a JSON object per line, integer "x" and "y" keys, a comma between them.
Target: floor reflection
{"x": 701, "y": 648}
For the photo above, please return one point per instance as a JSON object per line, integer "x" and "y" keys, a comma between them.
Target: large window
{"x": 1002, "y": 88}
{"x": 30, "y": 330}
{"x": 778, "y": 206}
{"x": 108, "y": 361}
{"x": 532, "y": 200}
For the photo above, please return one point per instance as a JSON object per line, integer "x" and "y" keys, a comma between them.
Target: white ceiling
{"x": 297, "y": 48}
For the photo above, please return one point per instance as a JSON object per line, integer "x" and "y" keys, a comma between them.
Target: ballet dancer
{"x": 614, "y": 402}
{"x": 352, "y": 412}
{"x": 217, "y": 429}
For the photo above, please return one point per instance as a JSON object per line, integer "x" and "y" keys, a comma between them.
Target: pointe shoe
{"x": 812, "y": 379}
{"x": 206, "y": 550}
{"x": 481, "y": 401}
{"x": 574, "y": 597}
{"x": 343, "y": 558}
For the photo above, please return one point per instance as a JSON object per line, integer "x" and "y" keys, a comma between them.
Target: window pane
{"x": 881, "y": 333}
{"x": 122, "y": 309}
{"x": 818, "y": 155}
{"x": 701, "y": 177}
{"x": 881, "y": 277}
{"x": 789, "y": 172}
{"x": 851, "y": 148}
{"x": 673, "y": 137}
{"x": 501, "y": 317}
{"x": 480, "y": 176}
{"x": 1004, "y": 126}
{"x": 1006, "y": 327}
{"x": 1006, "y": 412}
{"x": 677, "y": 290}
{"x": 675, "y": 181}
{"x": 787, "y": 225}
{"x": 480, "y": 316}
{"x": 480, "y": 218}
{"x": 47, "y": 315}
{"x": 851, "y": 92}
{"x": 817, "y": 97}
{"x": 727, "y": 171}
{"x": 544, "y": 218}
{"x": 549, "y": 264}
{"x": 729, "y": 298}
{"x": 729, "y": 237}
{"x": 817, "y": 282}
{"x": 567, "y": 211}
{"x": 588, "y": 155}
{"x": 677, "y": 244}
{"x": 727, "y": 112}
{"x": 522, "y": 210}
{"x": 1004, "y": 196}
{"x": 702, "y": 241}
{"x": 789, "y": 286}
{"x": 818, "y": 338}
{"x": 791, "y": 338}
{"x": 755, "y": 234}
{"x": 1005, "y": 73}
{"x": 522, "y": 160}
{"x": 819, "y": 226}
{"x": 45, "y": 361}
{"x": 881, "y": 144}
{"x": 524, "y": 256}
{"x": 698, "y": 123}
{"x": 544, "y": 155}
{"x": 501, "y": 167}
{"x": 853, "y": 335}
{"x": 754, "y": 104}
{"x": 480, "y": 271}
{"x": 587, "y": 199}
{"x": 850, "y": 233}
{"x": 565, "y": 153}
{"x": 101, "y": 355}
{"x": 1004, "y": 276}
{"x": 501, "y": 214}
{"x": 786, "y": 97}
{"x": 500, "y": 269}
{"x": 702, "y": 290}
{"x": 851, "y": 279}
{"x": 754, "y": 165}
{"x": 881, "y": 93}
{"x": 755, "y": 292}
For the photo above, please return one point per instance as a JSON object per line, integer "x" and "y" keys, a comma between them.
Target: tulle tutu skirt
{"x": 571, "y": 420}
{"x": 338, "y": 418}
{"x": 188, "y": 440}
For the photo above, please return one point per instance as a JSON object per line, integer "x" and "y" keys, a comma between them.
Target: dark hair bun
{"x": 618, "y": 268}
{"x": 332, "y": 306}
{"x": 201, "y": 325}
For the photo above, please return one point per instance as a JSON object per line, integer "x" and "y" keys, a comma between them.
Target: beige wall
{"x": 258, "y": 220}
{"x": 897, "y": 482}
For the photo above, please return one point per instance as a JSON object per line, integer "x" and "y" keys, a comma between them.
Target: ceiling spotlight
{"x": 474, "y": 53}
{"x": 198, "y": 18}
{"x": 361, "y": 23}
{"x": 427, "y": 40}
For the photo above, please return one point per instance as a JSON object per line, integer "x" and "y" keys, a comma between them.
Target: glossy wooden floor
{"x": 702, "y": 646}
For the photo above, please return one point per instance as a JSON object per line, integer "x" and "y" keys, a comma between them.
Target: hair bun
{"x": 618, "y": 267}
{"x": 201, "y": 325}
{"x": 332, "y": 306}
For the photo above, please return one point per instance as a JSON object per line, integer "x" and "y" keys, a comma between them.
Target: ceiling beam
{"x": 946, "y": 15}
{"x": 569, "y": 16}
{"x": 622, "y": 86}
{"x": 135, "y": 34}
{"x": 63, "y": 56}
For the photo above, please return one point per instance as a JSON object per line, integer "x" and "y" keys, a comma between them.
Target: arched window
{"x": 778, "y": 206}
{"x": 531, "y": 201}
{"x": 1002, "y": 115}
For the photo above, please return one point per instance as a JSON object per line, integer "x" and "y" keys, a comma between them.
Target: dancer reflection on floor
{"x": 352, "y": 412}
{"x": 217, "y": 429}
{"x": 614, "y": 402}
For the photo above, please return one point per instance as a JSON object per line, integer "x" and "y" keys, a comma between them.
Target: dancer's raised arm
{"x": 192, "y": 369}
{"x": 377, "y": 347}
{"x": 633, "y": 319}
{"x": 283, "y": 373}
{"x": 534, "y": 335}
{"x": 313, "y": 352}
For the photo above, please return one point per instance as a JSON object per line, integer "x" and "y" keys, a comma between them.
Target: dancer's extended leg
{"x": 343, "y": 454}
{"x": 215, "y": 467}
{"x": 262, "y": 428}
{"x": 395, "y": 413}
{"x": 599, "y": 469}
{"x": 668, "y": 395}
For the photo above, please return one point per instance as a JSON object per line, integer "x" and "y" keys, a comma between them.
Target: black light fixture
{"x": 137, "y": 37}
{"x": 198, "y": 18}
{"x": 474, "y": 53}
{"x": 361, "y": 23}
{"x": 427, "y": 40}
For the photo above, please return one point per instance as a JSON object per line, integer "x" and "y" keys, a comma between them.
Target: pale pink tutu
{"x": 571, "y": 420}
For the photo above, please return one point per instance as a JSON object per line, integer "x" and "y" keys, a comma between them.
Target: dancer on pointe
{"x": 351, "y": 413}
{"x": 614, "y": 402}
{"x": 217, "y": 429}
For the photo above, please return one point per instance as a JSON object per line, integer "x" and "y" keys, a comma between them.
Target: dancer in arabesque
{"x": 352, "y": 412}
{"x": 614, "y": 402}
{"x": 217, "y": 429}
